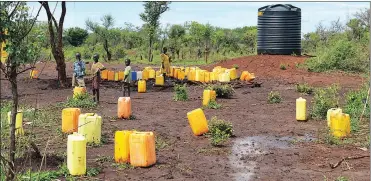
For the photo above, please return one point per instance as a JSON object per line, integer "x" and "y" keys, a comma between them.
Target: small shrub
{"x": 180, "y": 93}
{"x": 122, "y": 166}
{"x": 283, "y": 66}
{"x": 235, "y": 66}
{"x": 274, "y": 97}
{"x": 341, "y": 178}
{"x": 83, "y": 100}
{"x": 219, "y": 131}
{"x": 92, "y": 172}
{"x": 355, "y": 102}
{"x": 324, "y": 99}
{"x": 222, "y": 91}
{"x": 304, "y": 88}
{"x": 214, "y": 105}
{"x": 160, "y": 143}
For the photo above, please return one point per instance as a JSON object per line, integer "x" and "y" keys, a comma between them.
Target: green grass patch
{"x": 122, "y": 166}
{"x": 282, "y": 66}
{"x": 160, "y": 143}
{"x": 354, "y": 105}
{"x": 180, "y": 93}
{"x": 84, "y": 100}
{"x": 304, "y": 88}
{"x": 219, "y": 131}
{"x": 274, "y": 97}
{"x": 222, "y": 91}
{"x": 323, "y": 100}
{"x": 214, "y": 105}
{"x": 235, "y": 66}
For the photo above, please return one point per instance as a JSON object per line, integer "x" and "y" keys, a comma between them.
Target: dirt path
{"x": 269, "y": 143}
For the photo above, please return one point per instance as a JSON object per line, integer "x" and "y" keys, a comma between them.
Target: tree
{"x": 103, "y": 31}
{"x": 206, "y": 35}
{"x": 16, "y": 24}
{"x": 364, "y": 16}
{"x": 56, "y": 40}
{"x": 356, "y": 28}
{"x": 176, "y": 33}
{"x": 76, "y": 36}
{"x": 151, "y": 16}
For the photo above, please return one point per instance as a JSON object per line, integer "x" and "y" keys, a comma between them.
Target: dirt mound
{"x": 268, "y": 66}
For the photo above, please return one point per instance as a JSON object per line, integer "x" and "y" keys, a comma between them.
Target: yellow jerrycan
{"x": 18, "y": 122}
{"x": 122, "y": 146}
{"x": 159, "y": 80}
{"x": 141, "y": 86}
{"x": 90, "y": 126}
{"x": 329, "y": 113}
{"x": 197, "y": 121}
{"x": 301, "y": 109}
{"x": 76, "y": 154}
{"x": 339, "y": 124}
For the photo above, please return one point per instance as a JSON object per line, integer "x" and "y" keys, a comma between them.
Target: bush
{"x": 274, "y": 97}
{"x": 282, "y": 66}
{"x": 219, "y": 131}
{"x": 355, "y": 102}
{"x": 235, "y": 66}
{"x": 214, "y": 105}
{"x": 341, "y": 55}
{"x": 324, "y": 99}
{"x": 83, "y": 100}
{"x": 222, "y": 91}
{"x": 118, "y": 53}
{"x": 180, "y": 93}
{"x": 304, "y": 88}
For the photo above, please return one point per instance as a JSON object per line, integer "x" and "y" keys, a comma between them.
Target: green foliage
{"x": 214, "y": 105}
{"x": 304, "y": 88}
{"x": 342, "y": 178}
{"x": 235, "y": 66}
{"x": 219, "y": 131}
{"x": 180, "y": 93}
{"x": 282, "y": 66}
{"x": 160, "y": 143}
{"x": 83, "y": 100}
{"x": 92, "y": 172}
{"x": 274, "y": 97}
{"x": 45, "y": 175}
{"x": 343, "y": 55}
{"x": 324, "y": 99}
{"x": 222, "y": 91}
{"x": 122, "y": 166}
{"x": 76, "y": 36}
{"x": 354, "y": 105}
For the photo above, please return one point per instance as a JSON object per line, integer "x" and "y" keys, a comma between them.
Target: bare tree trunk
{"x": 56, "y": 43}
{"x": 150, "y": 50}
{"x": 105, "y": 45}
{"x": 11, "y": 167}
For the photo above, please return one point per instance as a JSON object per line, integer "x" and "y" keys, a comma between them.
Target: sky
{"x": 221, "y": 14}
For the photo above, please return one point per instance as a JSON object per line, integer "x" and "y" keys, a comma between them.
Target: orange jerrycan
{"x": 124, "y": 107}
{"x": 70, "y": 118}
{"x": 142, "y": 149}
{"x": 104, "y": 74}
{"x": 111, "y": 75}
{"x": 78, "y": 90}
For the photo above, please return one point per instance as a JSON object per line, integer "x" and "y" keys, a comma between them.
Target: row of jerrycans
{"x": 136, "y": 148}
{"x": 88, "y": 128}
{"x": 111, "y": 75}
{"x": 337, "y": 121}
{"x": 88, "y": 124}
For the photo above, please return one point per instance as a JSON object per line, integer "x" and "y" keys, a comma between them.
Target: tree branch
{"x": 25, "y": 70}
{"x": 33, "y": 23}
{"x": 12, "y": 13}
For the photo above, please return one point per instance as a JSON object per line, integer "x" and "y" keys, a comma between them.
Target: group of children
{"x": 79, "y": 73}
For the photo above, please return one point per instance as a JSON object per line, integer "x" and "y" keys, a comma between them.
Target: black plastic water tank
{"x": 279, "y": 30}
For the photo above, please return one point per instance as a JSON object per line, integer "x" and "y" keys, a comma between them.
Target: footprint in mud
{"x": 246, "y": 151}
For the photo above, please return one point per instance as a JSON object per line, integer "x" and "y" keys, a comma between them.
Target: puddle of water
{"x": 246, "y": 151}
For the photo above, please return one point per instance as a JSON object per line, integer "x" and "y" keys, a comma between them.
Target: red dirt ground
{"x": 192, "y": 158}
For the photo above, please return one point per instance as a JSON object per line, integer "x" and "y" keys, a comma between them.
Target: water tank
{"x": 279, "y": 30}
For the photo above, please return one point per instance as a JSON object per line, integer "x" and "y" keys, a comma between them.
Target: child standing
{"x": 78, "y": 71}
{"x": 96, "y": 69}
{"x": 127, "y": 78}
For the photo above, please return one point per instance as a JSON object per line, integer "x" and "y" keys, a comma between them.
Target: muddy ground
{"x": 269, "y": 144}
